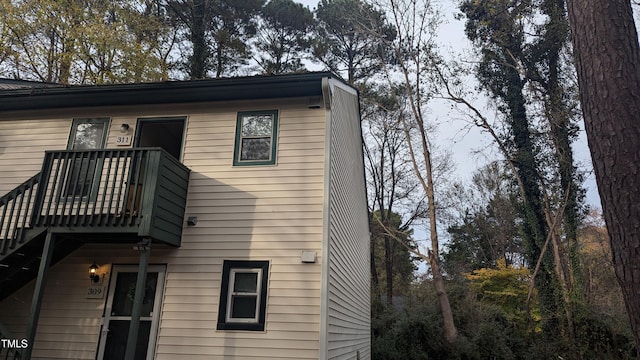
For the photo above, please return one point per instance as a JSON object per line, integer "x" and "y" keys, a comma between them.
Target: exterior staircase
{"x": 7, "y": 353}
{"x": 20, "y": 244}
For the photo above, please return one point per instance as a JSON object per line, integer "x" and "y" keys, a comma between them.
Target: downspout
{"x": 324, "y": 277}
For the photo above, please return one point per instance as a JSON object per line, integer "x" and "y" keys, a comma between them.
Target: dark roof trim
{"x": 12, "y": 84}
{"x": 241, "y": 88}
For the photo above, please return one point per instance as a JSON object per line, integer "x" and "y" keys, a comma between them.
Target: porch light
{"x": 93, "y": 269}
{"x": 124, "y": 128}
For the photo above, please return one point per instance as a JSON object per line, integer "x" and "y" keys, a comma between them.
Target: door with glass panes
{"x": 117, "y": 316}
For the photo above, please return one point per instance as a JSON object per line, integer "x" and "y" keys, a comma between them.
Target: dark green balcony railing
{"x": 15, "y": 213}
{"x": 139, "y": 190}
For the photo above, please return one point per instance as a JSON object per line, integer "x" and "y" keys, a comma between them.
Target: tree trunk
{"x": 560, "y": 124}
{"x": 66, "y": 58}
{"x": 388, "y": 268}
{"x": 219, "y": 60}
{"x": 608, "y": 59}
{"x": 197, "y": 69}
{"x": 426, "y": 180}
{"x": 559, "y": 117}
{"x": 449, "y": 326}
{"x": 374, "y": 272}
{"x": 534, "y": 228}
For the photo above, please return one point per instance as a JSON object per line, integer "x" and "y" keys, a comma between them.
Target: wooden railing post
{"x": 136, "y": 311}
{"x": 38, "y": 202}
{"x": 38, "y": 293}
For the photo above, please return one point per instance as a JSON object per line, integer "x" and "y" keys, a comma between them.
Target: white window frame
{"x": 230, "y": 268}
{"x": 231, "y": 293}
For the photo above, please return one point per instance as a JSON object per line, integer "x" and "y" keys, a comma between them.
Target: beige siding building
{"x": 239, "y": 205}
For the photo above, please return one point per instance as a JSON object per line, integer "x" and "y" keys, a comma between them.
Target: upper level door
{"x": 167, "y": 133}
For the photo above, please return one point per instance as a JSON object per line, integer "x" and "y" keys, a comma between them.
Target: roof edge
{"x": 220, "y": 89}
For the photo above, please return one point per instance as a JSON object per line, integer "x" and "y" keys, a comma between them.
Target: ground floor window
{"x": 243, "y": 295}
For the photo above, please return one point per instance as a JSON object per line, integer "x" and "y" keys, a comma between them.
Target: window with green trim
{"x": 243, "y": 295}
{"x": 256, "y": 138}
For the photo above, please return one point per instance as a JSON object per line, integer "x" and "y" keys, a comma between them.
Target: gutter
{"x": 243, "y": 88}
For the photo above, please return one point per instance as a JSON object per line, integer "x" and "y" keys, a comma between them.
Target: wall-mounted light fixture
{"x": 93, "y": 272}
{"x": 124, "y": 128}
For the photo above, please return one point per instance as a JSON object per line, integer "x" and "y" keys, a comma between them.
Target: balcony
{"x": 105, "y": 196}
{"x": 132, "y": 193}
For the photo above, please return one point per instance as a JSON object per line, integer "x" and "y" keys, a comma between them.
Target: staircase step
{"x": 21, "y": 267}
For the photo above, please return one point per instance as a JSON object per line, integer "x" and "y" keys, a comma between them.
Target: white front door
{"x": 117, "y": 316}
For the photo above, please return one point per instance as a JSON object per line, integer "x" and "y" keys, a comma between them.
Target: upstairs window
{"x": 256, "y": 138}
{"x": 243, "y": 295}
{"x": 86, "y": 134}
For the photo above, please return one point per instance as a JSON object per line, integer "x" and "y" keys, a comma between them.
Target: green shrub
{"x": 489, "y": 331}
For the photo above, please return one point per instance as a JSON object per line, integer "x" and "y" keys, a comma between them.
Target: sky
{"x": 470, "y": 148}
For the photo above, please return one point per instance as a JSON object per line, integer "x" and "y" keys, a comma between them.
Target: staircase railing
{"x": 6, "y": 352}
{"x": 16, "y": 209}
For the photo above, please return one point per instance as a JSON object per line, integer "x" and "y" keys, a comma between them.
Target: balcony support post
{"x": 144, "y": 248}
{"x": 38, "y": 292}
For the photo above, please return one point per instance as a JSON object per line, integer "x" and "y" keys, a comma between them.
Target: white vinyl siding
{"x": 22, "y": 147}
{"x": 347, "y": 289}
{"x": 244, "y": 213}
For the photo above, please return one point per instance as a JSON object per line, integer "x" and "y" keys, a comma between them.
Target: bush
{"x": 601, "y": 337}
{"x": 489, "y": 331}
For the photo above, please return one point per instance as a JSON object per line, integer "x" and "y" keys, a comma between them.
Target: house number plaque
{"x": 123, "y": 140}
{"x": 95, "y": 292}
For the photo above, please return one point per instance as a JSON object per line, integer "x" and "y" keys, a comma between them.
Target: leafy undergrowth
{"x": 491, "y": 326}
